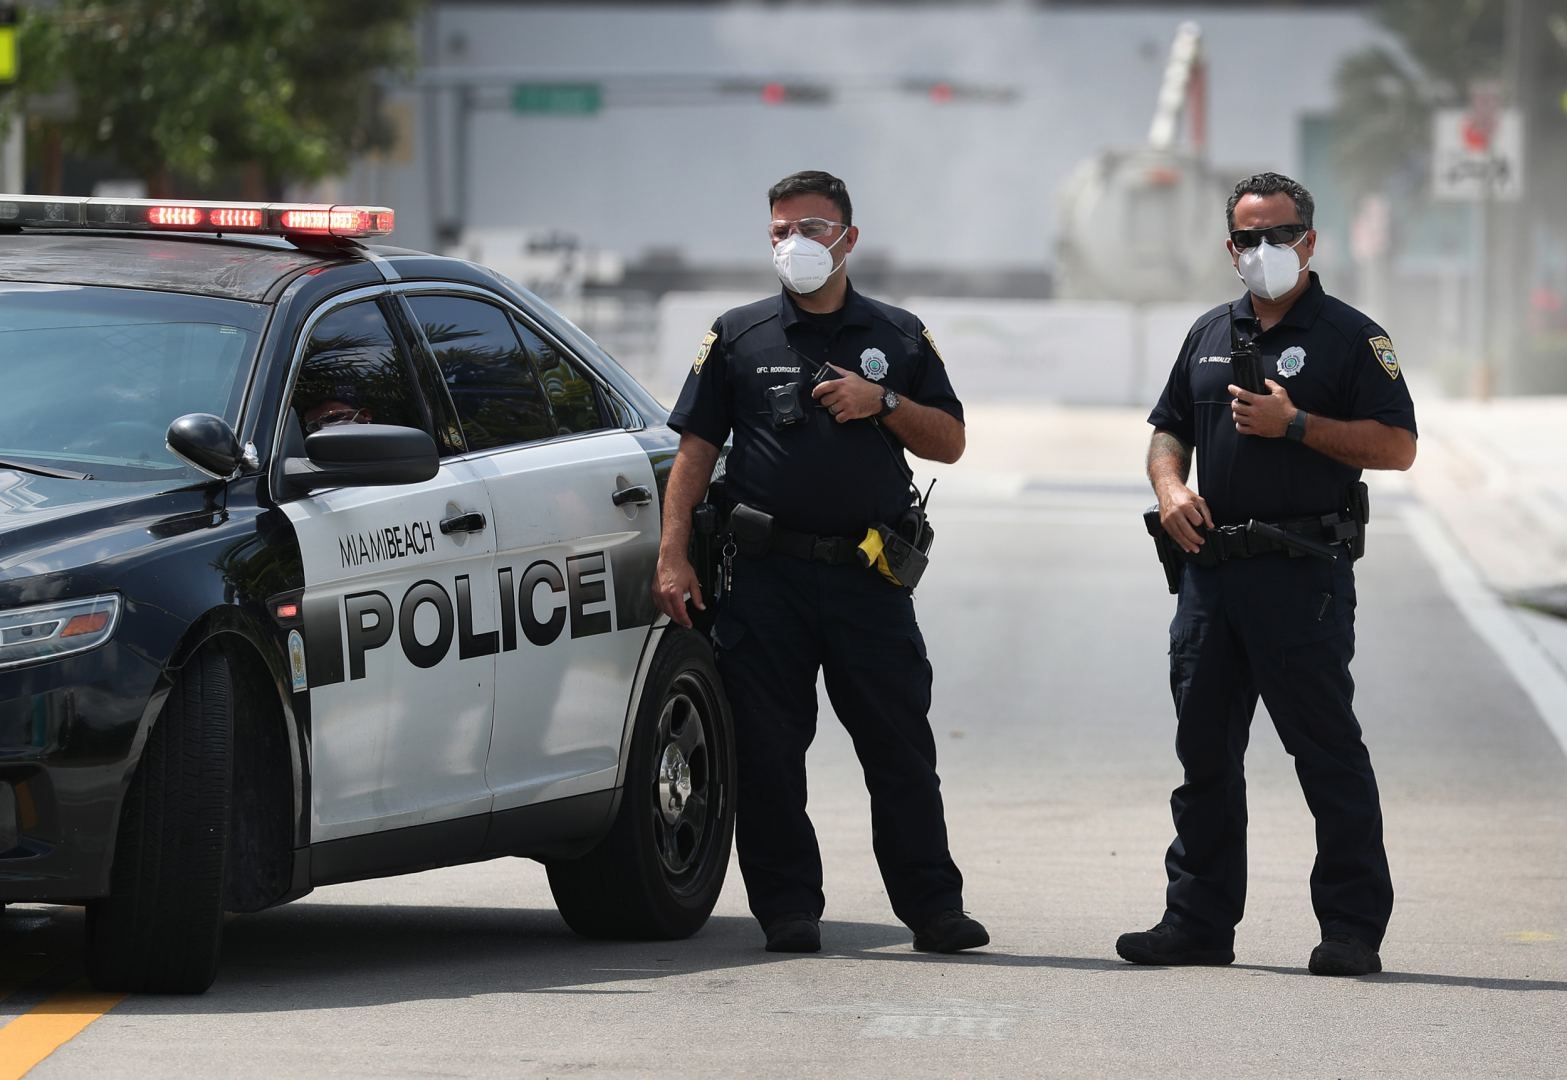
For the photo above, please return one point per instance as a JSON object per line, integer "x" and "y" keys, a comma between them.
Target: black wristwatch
{"x": 889, "y": 403}
{"x": 1296, "y": 432}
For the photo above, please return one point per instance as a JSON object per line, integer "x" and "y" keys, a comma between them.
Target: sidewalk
{"x": 1495, "y": 473}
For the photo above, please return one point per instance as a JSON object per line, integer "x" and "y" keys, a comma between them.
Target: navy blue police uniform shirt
{"x": 1332, "y": 360}
{"x": 817, "y": 476}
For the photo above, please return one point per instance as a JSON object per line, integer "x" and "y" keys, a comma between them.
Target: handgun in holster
{"x": 900, "y": 554}
{"x": 706, "y": 560}
{"x": 1169, "y": 554}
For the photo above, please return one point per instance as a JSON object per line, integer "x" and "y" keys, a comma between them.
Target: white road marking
{"x": 926, "y": 1020}
{"x": 1530, "y": 664}
{"x": 938, "y": 1027}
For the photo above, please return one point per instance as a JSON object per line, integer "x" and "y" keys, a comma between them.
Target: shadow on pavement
{"x": 310, "y": 956}
{"x": 1419, "y": 978}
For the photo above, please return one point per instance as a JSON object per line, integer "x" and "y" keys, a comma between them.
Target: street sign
{"x": 1477, "y": 155}
{"x": 557, "y": 99}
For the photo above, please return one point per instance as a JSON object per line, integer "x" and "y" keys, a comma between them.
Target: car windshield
{"x": 93, "y": 376}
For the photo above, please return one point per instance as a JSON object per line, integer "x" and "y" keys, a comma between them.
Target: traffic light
{"x": 947, "y": 92}
{"x": 778, "y": 91}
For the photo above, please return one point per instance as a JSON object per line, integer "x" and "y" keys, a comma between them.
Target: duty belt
{"x": 832, "y": 550}
{"x": 1318, "y": 537}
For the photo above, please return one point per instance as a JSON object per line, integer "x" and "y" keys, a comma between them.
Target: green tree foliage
{"x": 183, "y": 92}
{"x": 1386, "y": 95}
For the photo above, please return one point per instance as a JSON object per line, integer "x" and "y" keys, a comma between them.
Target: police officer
{"x": 1270, "y": 611}
{"x": 824, "y": 390}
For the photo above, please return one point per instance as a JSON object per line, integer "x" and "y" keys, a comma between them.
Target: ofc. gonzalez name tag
{"x": 1382, "y": 349}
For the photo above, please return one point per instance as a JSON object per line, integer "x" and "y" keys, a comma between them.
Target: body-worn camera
{"x": 784, "y": 405}
{"x": 787, "y": 404}
{"x": 1245, "y": 357}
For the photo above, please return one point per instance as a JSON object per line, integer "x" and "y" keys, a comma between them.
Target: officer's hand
{"x": 1181, "y": 511}
{"x": 1267, "y": 415}
{"x": 672, "y": 582}
{"x": 848, "y": 398}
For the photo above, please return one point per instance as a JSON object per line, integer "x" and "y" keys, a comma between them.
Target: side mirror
{"x": 361, "y": 455}
{"x": 205, "y": 443}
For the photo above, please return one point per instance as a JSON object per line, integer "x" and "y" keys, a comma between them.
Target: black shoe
{"x": 795, "y": 932}
{"x": 1171, "y": 946}
{"x": 950, "y": 932}
{"x": 1341, "y": 954}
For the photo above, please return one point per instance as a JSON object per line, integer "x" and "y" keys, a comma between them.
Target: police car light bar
{"x": 167, "y": 215}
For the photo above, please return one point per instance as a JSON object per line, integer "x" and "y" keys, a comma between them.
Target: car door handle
{"x": 635, "y": 494}
{"x": 472, "y": 521}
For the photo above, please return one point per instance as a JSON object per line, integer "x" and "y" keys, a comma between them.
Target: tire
{"x": 160, "y": 930}
{"x": 658, "y": 873}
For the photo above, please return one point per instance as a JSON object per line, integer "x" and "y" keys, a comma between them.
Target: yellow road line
{"x": 33, "y": 1036}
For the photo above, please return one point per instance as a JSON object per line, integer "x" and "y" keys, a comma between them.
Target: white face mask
{"x": 1270, "y": 270}
{"x": 804, "y": 265}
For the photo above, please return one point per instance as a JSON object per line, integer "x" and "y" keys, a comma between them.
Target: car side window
{"x": 492, "y": 383}
{"x": 355, "y": 372}
{"x": 573, "y": 396}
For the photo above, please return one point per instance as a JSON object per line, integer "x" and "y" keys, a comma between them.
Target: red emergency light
{"x": 269, "y": 219}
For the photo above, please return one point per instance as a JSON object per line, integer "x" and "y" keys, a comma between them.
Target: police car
{"x": 322, "y": 561}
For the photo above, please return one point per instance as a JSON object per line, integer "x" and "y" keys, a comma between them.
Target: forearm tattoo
{"x": 1166, "y": 452}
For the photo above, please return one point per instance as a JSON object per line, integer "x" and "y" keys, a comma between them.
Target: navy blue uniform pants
{"x": 785, "y": 620}
{"x": 1282, "y": 628}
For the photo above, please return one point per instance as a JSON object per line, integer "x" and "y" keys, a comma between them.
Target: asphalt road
{"x": 1045, "y": 616}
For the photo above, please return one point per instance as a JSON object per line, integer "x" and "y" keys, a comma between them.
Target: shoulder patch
{"x": 1382, "y": 349}
{"x": 932, "y": 343}
{"x": 701, "y": 354}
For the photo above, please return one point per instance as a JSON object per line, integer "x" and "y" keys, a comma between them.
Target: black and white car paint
{"x": 373, "y": 656}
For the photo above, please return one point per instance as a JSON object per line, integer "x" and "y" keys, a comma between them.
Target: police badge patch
{"x": 701, "y": 354}
{"x": 873, "y": 364}
{"x": 1382, "y": 349}
{"x": 1291, "y": 360}
{"x": 932, "y": 343}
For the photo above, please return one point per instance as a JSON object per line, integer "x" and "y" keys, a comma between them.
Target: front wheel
{"x": 161, "y": 927}
{"x": 659, "y": 871}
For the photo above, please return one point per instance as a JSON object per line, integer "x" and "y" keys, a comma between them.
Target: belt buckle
{"x": 1232, "y": 542}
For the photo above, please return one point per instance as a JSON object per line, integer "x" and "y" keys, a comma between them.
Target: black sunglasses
{"x": 1273, "y": 234}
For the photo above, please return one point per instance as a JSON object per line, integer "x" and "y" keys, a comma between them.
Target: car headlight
{"x": 31, "y": 634}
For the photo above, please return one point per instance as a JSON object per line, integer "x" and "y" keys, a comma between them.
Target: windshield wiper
{"x": 44, "y": 470}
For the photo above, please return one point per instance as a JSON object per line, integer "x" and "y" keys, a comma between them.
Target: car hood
{"x": 48, "y": 524}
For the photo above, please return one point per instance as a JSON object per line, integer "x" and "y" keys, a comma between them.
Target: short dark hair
{"x": 814, "y": 182}
{"x": 1271, "y": 183}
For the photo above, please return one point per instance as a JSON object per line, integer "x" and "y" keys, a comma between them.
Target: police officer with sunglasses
{"x": 1265, "y": 551}
{"x": 824, "y": 390}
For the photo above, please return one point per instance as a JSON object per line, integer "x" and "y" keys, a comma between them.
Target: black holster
{"x": 1164, "y": 547}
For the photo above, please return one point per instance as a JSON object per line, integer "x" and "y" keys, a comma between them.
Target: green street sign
{"x": 557, "y": 99}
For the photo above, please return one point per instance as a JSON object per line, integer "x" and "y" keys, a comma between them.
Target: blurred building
{"x": 653, "y": 130}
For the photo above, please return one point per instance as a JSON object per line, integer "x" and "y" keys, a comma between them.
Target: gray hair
{"x": 1271, "y": 183}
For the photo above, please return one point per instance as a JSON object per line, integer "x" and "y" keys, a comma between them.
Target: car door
{"x": 576, "y": 535}
{"x": 400, "y": 603}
